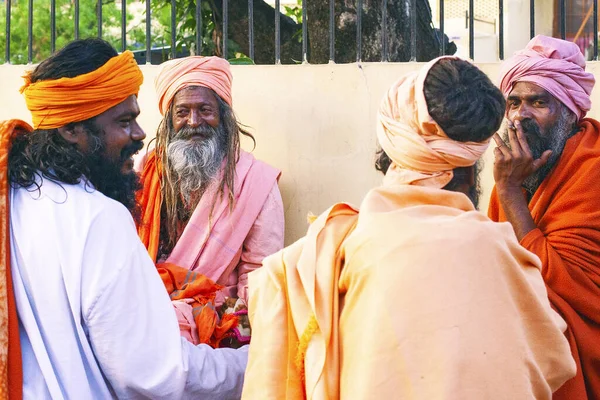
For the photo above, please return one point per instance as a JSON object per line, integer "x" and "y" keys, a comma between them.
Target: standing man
{"x": 207, "y": 205}
{"x": 547, "y": 169}
{"x": 94, "y": 320}
{"x": 418, "y": 295}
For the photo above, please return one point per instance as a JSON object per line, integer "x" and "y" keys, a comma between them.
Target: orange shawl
{"x": 11, "y": 379}
{"x": 150, "y": 199}
{"x": 182, "y": 283}
{"x": 566, "y": 209}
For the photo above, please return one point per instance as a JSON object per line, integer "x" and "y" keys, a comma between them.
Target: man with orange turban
{"x": 84, "y": 313}
{"x": 207, "y": 205}
{"x": 547, "y": 169}
{"x": 418, "y": 295}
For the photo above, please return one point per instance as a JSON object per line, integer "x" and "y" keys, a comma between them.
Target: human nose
{"x": 521, "y": 113}
{"x": 194, "y": 119}
{"x": 137, "y": 133}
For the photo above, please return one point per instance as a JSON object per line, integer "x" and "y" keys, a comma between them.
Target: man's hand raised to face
{"x": 511, "y": 167}
{"x": 514, "y": 164}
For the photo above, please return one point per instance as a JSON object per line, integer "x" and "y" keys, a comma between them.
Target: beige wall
{"x": 314, "y": 122}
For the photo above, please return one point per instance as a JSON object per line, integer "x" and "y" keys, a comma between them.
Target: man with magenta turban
{"x": 547, "y": 169}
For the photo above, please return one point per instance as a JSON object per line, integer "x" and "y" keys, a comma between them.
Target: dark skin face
{"x": 195, "y": 106}
{"x": 120, "y": 129}
{"x": 529, "y": 101}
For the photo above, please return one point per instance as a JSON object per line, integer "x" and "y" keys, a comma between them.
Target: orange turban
{"x": 58, "y": 102}
{"x": 421, "y": 153}
{"x": 209, "y": 72}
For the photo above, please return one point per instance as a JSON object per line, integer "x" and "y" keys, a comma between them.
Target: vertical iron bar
{"x": 251, "y": 28}
{"x": 442, "y": 34}
{"x": 277, "y": 32}
{"x": 595, "y": 30}
{"x": 99, "y": 17}
{"x": 563, "y": 20}
{"x": 501, "y": 29}
{"x": 76, "y": 19}
{"x": 124, "y": 25}
{"x": 173, "y": 23}
{"x": 30, "y": 33}
{"x": 198, "y": 27}
{"x": 413, "y": 30}
{"x": 148, "y": 33}
{"x": 472, "y": 29}
{"x": 304, "y": 33}
{"x": 52, "y": 26}
{"x": 332, "y": 30}
{"x": 359, "y": 31}
{"x": 384, "y": 38}
{"x": 225, "y": 30}
{"x": 531, "y": 19}
{"x": 7, "y": 49}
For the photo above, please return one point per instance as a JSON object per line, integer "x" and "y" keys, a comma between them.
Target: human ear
{"x": 73, "y": 133}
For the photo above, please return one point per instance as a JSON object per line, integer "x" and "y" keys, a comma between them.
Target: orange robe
{"x": 417, "y": 297}
{"x": 566, "y": 209}
{"x": 11, "y": 369}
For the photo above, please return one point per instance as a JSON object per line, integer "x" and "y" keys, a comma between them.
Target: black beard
{"x": 109, "y": 178}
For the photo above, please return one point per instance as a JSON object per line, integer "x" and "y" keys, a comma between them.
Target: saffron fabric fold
{"x": 210, "y": 72}
{"x": 566, "y": 210}
{"x": 194, "y": 299}
{"x": 58, "y": 102}
{"x": 421, "y": 152}
{"x": 555, "y": 65}
{"x": 418, "y": 296}
{"x": 11, "y": 369}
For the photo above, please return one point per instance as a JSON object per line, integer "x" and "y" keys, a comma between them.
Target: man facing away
{"x": 94, "y": 320}
{"x": 208, "y": 206}
{"x": 547, "y": 169}
{"x": 418, "y": 295}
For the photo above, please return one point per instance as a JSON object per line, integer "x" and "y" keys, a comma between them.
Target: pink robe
{"x": 239, "y": 240}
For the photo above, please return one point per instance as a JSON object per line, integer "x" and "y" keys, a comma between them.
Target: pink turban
{"x": 210, "y": 72}
{"x": 556, "y": 66}
{"x": 421, "y": 153}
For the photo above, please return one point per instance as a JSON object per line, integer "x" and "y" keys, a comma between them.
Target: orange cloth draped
{"x": 566, "y": 209}
{"x": 182, "y": 283}
{"x": 11, "y": 370}
{"x": 56, "y": 103}
{"x": 150, "y": 198}
{"x": 419, "y": 296}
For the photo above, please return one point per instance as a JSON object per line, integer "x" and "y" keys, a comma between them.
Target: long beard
{"x": 554, "y": 139}
{"x": 195, "y": 156}
{"x": 108, "y": 177}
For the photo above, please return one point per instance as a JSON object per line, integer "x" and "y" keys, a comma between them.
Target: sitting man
{"x": 547, "y": 170}
{"x": 418, "y": 295}
{"x": 85, "y": 314}
{"x": 207, "y": 205}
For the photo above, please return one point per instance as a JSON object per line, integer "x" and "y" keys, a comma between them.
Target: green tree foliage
{"x": 65, "y": 27}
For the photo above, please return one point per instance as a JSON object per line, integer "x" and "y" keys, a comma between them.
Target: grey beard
{"x": 554, "y": 139}
{"x": 196, "y": 162}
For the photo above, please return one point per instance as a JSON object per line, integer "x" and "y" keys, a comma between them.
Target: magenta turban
{"x": 555, "y": 65}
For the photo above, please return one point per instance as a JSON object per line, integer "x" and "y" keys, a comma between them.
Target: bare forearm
{"x": 516, "y": 210}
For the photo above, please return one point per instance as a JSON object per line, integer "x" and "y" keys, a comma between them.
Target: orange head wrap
{"x": 421, "y": 153}
{"x": 210, "y": 72}
{"x": 56, "y": 103}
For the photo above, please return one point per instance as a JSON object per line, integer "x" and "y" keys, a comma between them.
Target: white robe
{"x": 95, "y": 319}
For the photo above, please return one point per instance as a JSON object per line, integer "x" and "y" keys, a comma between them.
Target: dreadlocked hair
{"x": 171, "y": 199}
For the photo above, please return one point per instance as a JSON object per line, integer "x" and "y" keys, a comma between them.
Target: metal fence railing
{"x": 252, "y": 31}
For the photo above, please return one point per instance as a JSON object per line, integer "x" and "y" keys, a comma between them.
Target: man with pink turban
{"x": 207, "y": 205}
{"x": 547, "y": 170}
{"x": 417, "y": 295}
